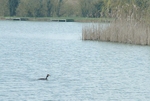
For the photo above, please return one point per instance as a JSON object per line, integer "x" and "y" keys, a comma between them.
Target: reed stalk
{"x": 122, "y": 31}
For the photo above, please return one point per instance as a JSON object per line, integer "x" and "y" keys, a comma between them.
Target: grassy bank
{"x": 76, "y": 19}
{"x": 123, "y": 31}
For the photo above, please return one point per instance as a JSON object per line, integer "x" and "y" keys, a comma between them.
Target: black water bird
{"x": 44, "y": 78}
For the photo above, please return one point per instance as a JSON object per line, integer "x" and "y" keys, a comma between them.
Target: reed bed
{"x": 123, "y": 31}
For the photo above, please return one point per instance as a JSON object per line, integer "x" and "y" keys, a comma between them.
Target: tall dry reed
{"x": 122, "y": 31}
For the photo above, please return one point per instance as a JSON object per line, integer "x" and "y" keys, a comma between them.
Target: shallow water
{"x": 80, "y": 70}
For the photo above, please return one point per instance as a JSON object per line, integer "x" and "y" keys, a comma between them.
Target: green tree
{"x": 4, "y": 8}
{"x": 13, "y": 4}
{"x": 23, "y": 8}
{"x": 49, "y": 7}
{"x": 100, "y": 7}
{"x": 87, "y": 8}
{"x": 57, "y": 7}
{"x": 143, "y": 8}
{"x": 33, "y": 8}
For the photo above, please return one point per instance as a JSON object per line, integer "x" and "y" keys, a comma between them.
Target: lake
{"x": 79, "y": 70}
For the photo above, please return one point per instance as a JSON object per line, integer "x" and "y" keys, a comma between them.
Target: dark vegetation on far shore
{"x": 74, "y": 8}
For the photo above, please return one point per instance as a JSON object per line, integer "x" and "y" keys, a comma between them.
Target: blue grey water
{"x": 80, "y": 70}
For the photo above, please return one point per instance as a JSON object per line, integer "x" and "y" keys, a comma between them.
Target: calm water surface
{"x": 80, "y": 70}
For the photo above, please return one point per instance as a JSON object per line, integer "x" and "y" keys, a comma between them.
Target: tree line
{"x": 77, "y": 8}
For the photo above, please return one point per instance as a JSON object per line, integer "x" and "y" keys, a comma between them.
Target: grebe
{"x": 44, "y": 78}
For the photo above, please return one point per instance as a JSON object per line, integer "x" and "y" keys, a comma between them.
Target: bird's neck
{"x": 46, "y": 77}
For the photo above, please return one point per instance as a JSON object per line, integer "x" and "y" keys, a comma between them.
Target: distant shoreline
{"x": 56, "y": 19}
